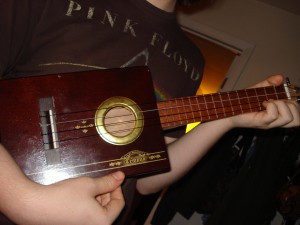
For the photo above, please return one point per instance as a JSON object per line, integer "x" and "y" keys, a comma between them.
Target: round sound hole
{"x": 119, "y": 120}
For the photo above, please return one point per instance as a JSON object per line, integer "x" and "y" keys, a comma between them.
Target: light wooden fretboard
{"x": 203, "y": 108}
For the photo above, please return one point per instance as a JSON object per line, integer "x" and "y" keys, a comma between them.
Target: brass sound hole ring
{"x": 114, "y": 104}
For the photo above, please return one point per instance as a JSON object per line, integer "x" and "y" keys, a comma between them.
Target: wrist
{"x": 225, "y": 124}
{"x": 235, "y": 121}
{"x": 17, "y": 200}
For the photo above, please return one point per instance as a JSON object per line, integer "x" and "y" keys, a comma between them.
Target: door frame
{"x": 242, "y": 49}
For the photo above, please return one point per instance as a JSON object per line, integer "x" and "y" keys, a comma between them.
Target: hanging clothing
{"x": 235, "y": 186}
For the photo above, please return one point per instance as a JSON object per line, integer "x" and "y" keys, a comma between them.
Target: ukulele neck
{"x": 203, "y": 108}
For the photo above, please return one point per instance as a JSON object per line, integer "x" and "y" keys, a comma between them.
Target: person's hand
{"x": 278, "y": 113}
{"x": 75, "y": 201}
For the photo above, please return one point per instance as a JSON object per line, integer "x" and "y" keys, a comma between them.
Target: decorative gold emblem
{"x": 84, "y": 128}
{"x": 135, "y": 157}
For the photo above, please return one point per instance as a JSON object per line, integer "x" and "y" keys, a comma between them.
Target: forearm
{"x": 13, "y": 185}
{"x": 185, "y": 153}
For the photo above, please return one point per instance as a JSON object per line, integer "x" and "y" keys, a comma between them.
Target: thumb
{"x": 109, "y": 182}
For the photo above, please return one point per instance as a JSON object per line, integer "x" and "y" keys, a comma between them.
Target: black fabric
{"x": 251, "y": 199}
{"x": 198, "y": 190}
{"x": 230, "y": 193}
{"x": 55, "y": 36}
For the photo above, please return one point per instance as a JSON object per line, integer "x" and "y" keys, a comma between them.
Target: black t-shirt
{"x": 55, "y": 36}
{"x": 44, "y": 37}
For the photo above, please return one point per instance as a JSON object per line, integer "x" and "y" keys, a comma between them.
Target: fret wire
{"x": 223, "y": 108}
{"x": 185, "y": 106}
{"x": 198, "y": 105}
{"x": 229, "y": 99}
{"x": 246, "y": 91}
{"x": 244, "y": 102}
{"x": 257, "y": 98}
{"x": 226, "y": 103}
{"x": 194, "y": 107}
{"x": 191, "y": 108}
{"x": 172, "y": 110}
{"x": 186, "y": 118}
{"x": 212, "y": 98}
{"x": 178, "y": 111}
{"x": 276, "y": 93}
{"x": 181, "y": 111}
{"x": 235, "y": 102}
{"x": 252, "y": 98}
{"x": 167, "y": 117}
{"x": 261, "y": 95}
{"x": 177, "y": 117}
{"x": 206, "y": 108}
{"x": 264, "y": 89}
{"x": 239, "y": 100}
{"x": 171, "y": 115}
